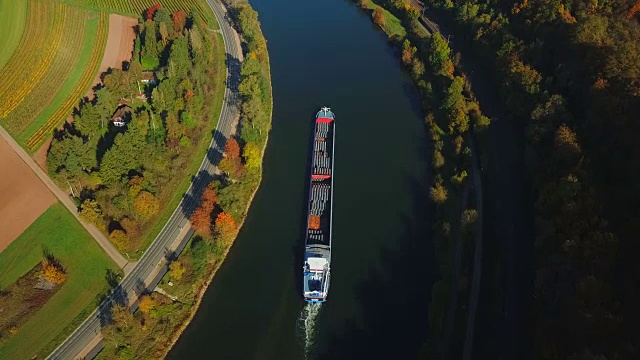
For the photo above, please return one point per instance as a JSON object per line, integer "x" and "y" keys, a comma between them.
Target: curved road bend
{"x": 130, "y": 286}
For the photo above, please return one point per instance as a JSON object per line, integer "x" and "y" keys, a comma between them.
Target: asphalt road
{"x": 133, "y": 283}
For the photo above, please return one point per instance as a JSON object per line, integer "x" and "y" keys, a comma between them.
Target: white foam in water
{"x": 307, "y": 323}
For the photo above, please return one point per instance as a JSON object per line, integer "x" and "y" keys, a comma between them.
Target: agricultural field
{"x": 52, "y": 66}
{"x": 14, "y": 16}
{"x": 24, "y": 196}
{"x": 138, "y": 7}
{"x": 86, "y": 266}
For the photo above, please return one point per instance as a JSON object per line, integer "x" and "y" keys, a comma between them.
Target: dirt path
{"x": 29, "y": 163}
{"x": 119, "y": 46}
{"x": 23, "y": 197}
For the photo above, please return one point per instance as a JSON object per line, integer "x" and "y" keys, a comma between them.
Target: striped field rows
{"x": 78, "y": 92}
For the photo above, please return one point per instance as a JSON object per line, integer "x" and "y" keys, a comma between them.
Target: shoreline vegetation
{"x": 158, "y": 322}
{"x": 453, "y": 118}
{"x": 569, "y": 75}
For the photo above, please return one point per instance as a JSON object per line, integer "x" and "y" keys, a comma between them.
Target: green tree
{"x": 179, "y": 60}
{"x": 438, "y": 52}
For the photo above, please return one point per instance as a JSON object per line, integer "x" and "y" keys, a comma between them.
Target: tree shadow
{"x": 191, "y": 200}
{"x": 394, "y": 298}
{"x": 233, "y": 79}
{"x": 52, "y": 260}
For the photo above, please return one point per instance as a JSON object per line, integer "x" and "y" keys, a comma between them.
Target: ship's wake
{"x": 307, "y": 325}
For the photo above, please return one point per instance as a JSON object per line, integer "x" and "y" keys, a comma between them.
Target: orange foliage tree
{"x": 201, "y": 217}
{"x": 378, "y": 16}
{"x": 179, "y": 20}
{"x": 232, "y": 148}
{"x": 634, "y": 9}
{"x": 53, "y": 271}
{"x": 225, "y": 227}
{"x": 152, "y": 11}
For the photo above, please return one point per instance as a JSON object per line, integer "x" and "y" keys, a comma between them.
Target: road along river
{"x": 329, "y": 53}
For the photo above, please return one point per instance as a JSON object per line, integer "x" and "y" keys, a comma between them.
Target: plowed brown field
{"x": 23, "y": 197}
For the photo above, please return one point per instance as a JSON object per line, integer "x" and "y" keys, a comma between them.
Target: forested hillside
{"x": 568, "y": 73}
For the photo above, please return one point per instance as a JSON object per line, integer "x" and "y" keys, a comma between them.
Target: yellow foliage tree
{"x": 438, "y": 193}
{"x": 119, "y": 238}
{"x": 53, "y": 272}
{"x": 176, "y": 270}
{"x": 146, "y": 304}
{"x": 146, "y": 204}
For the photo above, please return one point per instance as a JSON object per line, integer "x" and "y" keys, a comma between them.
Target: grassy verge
{"x": 14, "y": 17}
{"x": 70, "y": 82}
{"x": 86, "y": 265}
{"x": 392, "y": 25}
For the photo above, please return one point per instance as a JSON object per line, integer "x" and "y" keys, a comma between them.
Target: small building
{"x": 149, "y": 77}
{"x": 122, "y": 115}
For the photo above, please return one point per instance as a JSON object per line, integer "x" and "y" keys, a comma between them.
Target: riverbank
{"x": 452, "y": 111}
{"x": 203, "y": 288}
{"x": 163, "y": 318}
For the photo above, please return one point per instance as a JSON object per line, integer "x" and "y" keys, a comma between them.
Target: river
{"x": 329, "y": 53}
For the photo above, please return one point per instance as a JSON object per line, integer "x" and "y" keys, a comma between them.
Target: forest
{"x": 567, "y": 73}
{"x": 164, "y": 102}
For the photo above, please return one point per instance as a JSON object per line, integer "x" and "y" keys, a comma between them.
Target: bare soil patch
{"x": 23, "y": 197}
{"x": 119, "y": 43}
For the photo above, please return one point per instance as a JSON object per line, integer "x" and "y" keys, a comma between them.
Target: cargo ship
{"x": 317, "y": 249}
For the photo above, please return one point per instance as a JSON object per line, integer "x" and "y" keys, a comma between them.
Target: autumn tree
{"x": 232, "y": 148}
{"x": 363, "y": 4}
{"x": 225, "y": 227}
{"x": 122, "y": 324}
{"x": 119, "y": 238}
{"x": 145, "y": 204}
{"x": 53, "y": 271}
{"x": 438, "y": 193}
{"x": 201, "y": 217}
{"x": 251, "y": 155}
{"x": 408, "y": 52}
{"x": 566, "y": 141}
{"x": 146, "y": 304}
{"x": 90, "y": 212}
{"x": 152, "y": 11}
{"x": 177, "y": 270}
{"x": 378, "y": 16}
{"x": 179, "y": 21}
{"x": 438, "y": 159}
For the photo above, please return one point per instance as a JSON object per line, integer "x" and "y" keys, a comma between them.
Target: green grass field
{"x": 86, "y": 266}
{"x": 392, "y": 25}
{"x": 14, "y": 16}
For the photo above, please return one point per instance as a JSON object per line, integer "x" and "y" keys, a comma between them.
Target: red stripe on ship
{"x": 316, "y": 176}
{"x": 324, "y": 120}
